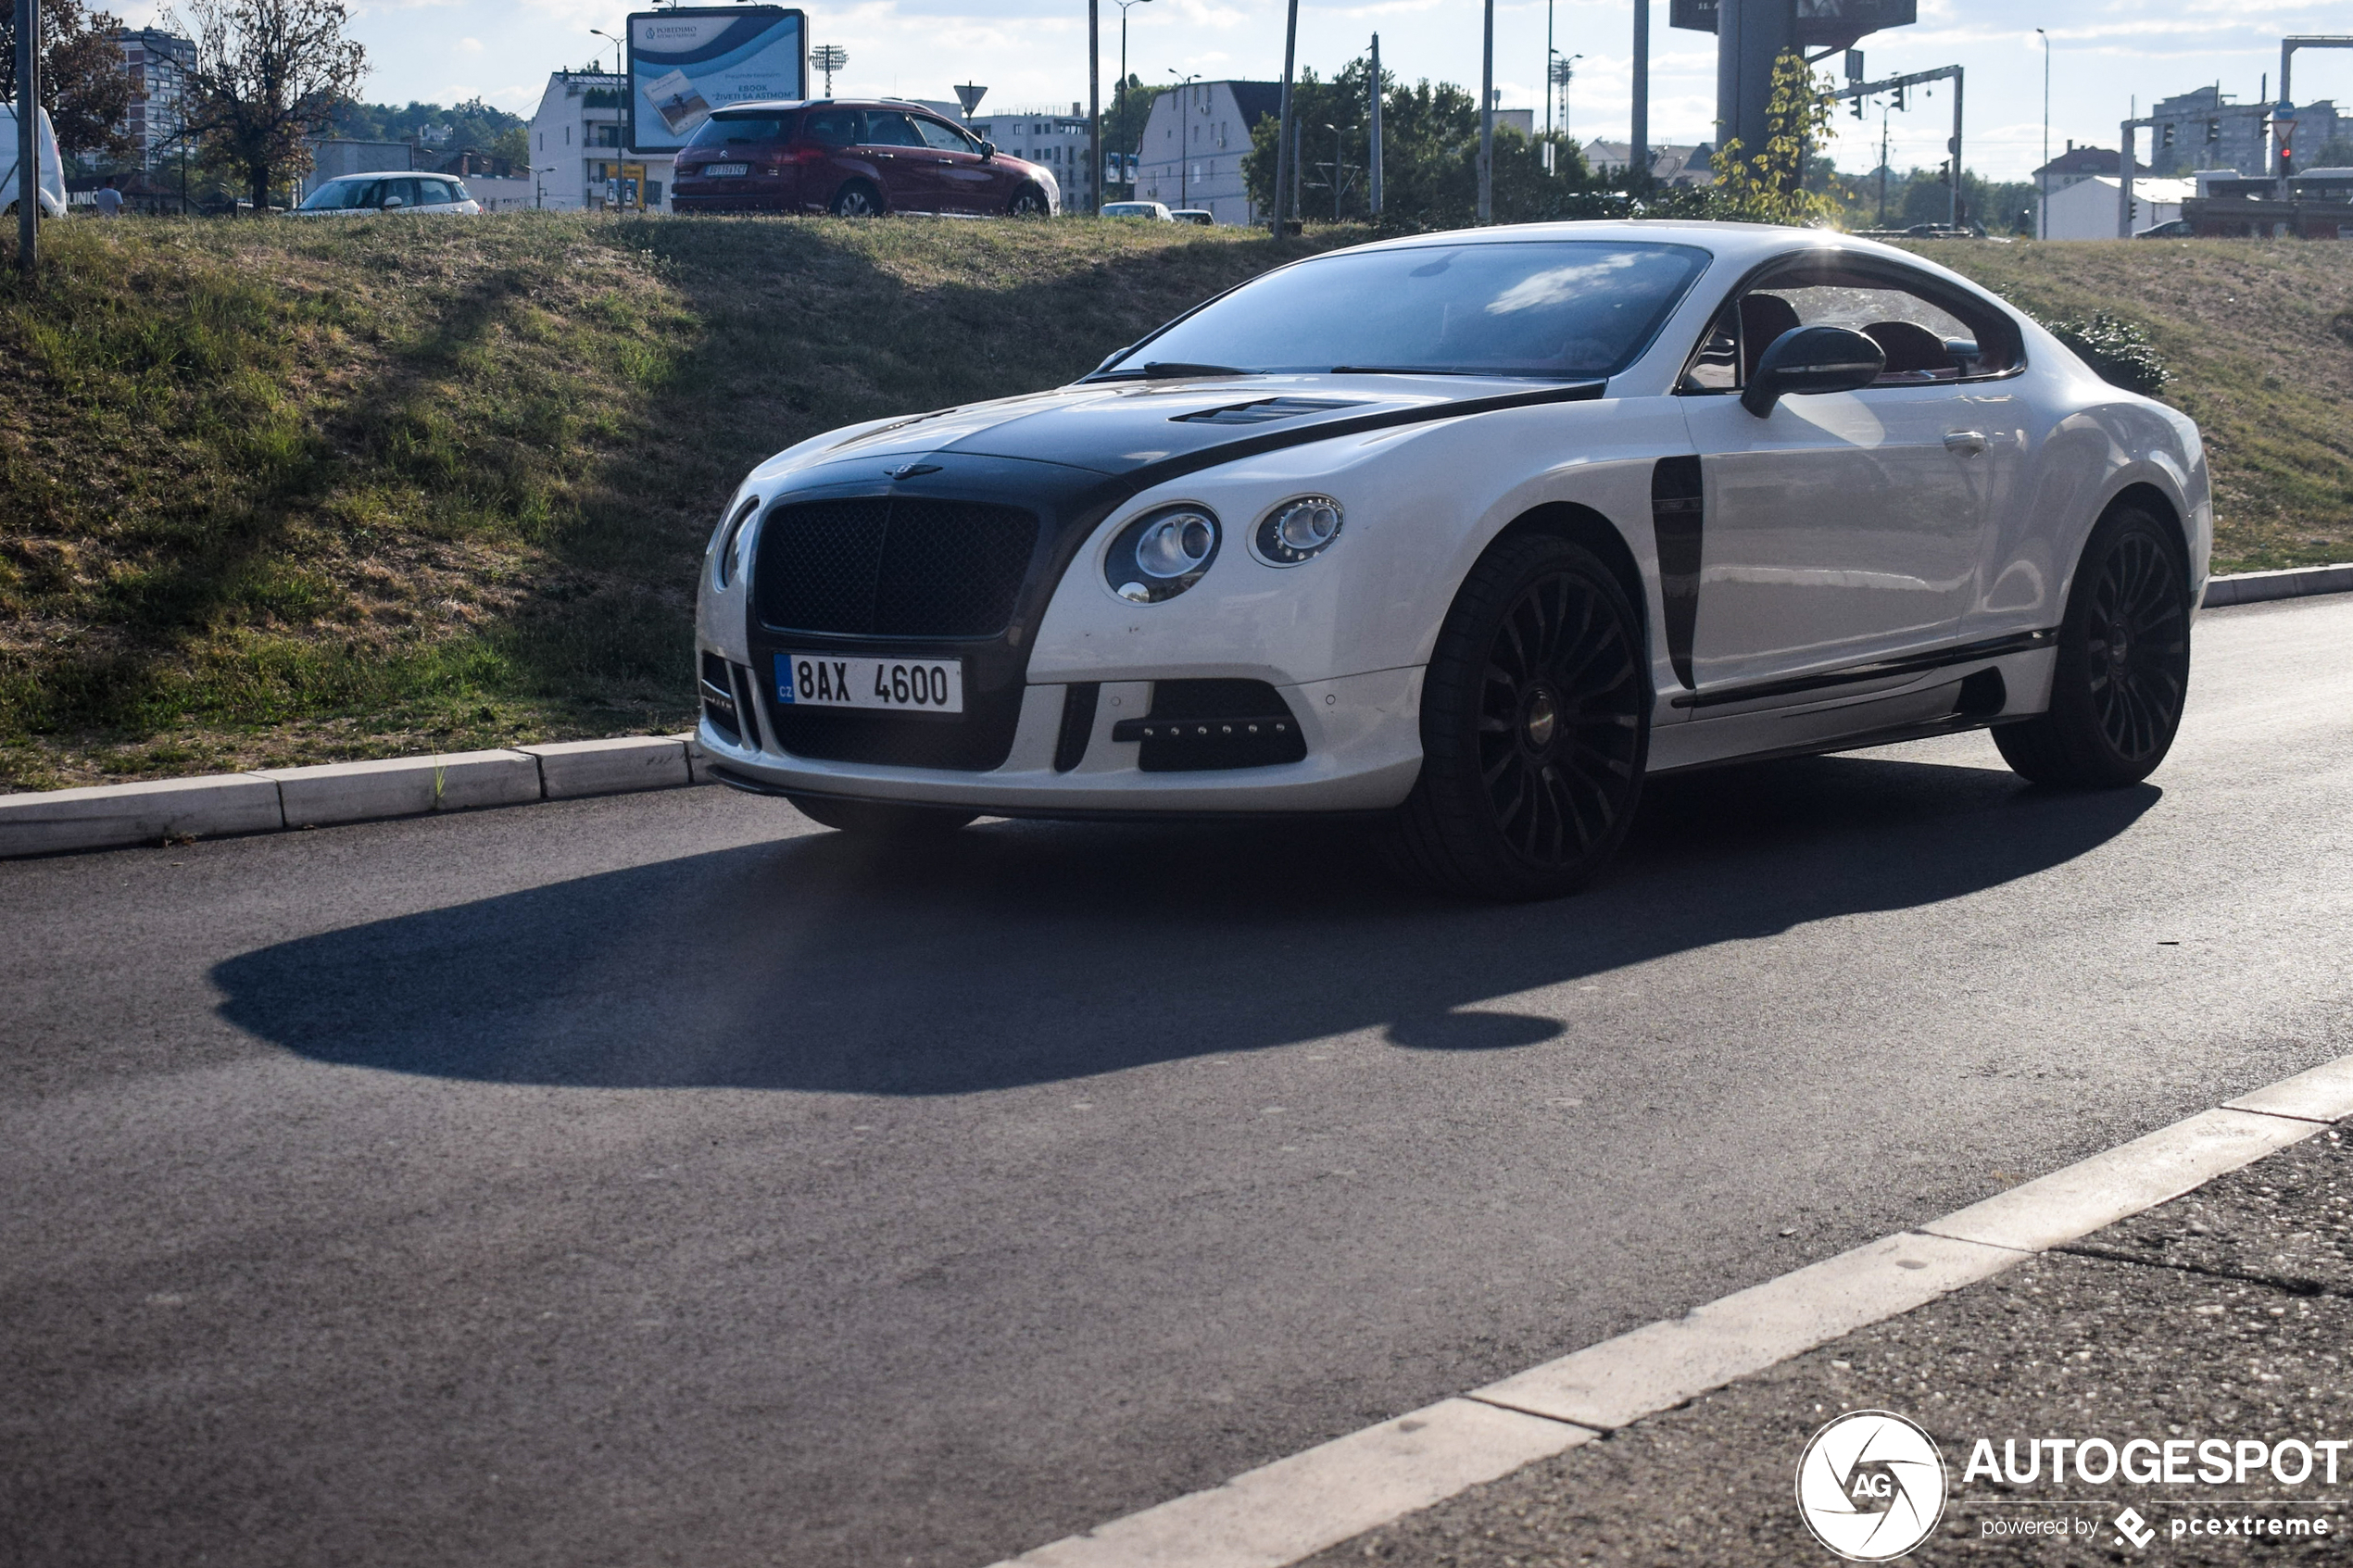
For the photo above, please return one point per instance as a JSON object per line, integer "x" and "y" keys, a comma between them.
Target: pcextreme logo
{"x": 1871, "y": 1486}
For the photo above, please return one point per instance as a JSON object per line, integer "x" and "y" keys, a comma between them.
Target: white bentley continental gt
{"x": 1471, "y": 532}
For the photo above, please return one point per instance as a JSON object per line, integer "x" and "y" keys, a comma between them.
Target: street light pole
{"x": 1183, "y": 135}
{"x": 1549, "y": 53}
{"x": 1373, "y": 173}
{"x": 1282, "y": 131}
{"x": 1095, "y": 103}
{"x": 1487, "y": 120}
{"x": 608, "y": 38}
{"x": 1119, "y": 92}
{"x": 28, "y": 138}
{"x": 2041, "y": 224}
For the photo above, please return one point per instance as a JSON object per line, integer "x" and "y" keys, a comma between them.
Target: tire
{"x": 2123, "y": 670}
{"x": 1535, "y": 728}
{"x": 858, "y": 199}
{"x": 881, "y": 820}
{"x": 1030, "y": 202}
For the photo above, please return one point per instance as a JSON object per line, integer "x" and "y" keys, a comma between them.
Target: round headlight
{"x": 723, "y": 562}
{"x": 1298, "y": 530}
{"x": 1162, "y": 553}
{"x": 1176, "y": 545}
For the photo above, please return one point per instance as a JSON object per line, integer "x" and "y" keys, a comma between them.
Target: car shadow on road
{"x": 1027, "y": 953}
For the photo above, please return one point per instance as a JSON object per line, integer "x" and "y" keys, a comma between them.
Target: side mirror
{"x": 988, "y": 151}
{"x": 391, "y": 202}
{"x": 1812, "y": 360}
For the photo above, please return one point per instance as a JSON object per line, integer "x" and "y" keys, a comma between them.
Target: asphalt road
{"x": 660, "y": 1180}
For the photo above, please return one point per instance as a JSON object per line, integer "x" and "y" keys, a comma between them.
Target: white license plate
{"x": 913, "y": 685}
{"x": 725, "y": 171}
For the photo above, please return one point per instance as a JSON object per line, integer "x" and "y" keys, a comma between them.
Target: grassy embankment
{"x": 299, "y": 492}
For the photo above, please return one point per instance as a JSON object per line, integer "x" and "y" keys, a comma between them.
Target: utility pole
{"x": 1486, "y": 121}
{"x": 2042, "y": 180}
{"x": 28, "y": 138}
{"x": 1095, "y": 103}
{"x": 1282, "y": 131}
{"x": 1548, "y": 68}
{"x": 1882, "y": 167}
{"x": 1638, "y": 155}
{"x": 1374, "y": 172}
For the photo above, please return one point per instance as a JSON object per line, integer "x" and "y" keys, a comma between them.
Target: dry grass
{"x": 2259, "y": 334}
{"x": 290, "y": 491}
{"x": 296, "y": 492}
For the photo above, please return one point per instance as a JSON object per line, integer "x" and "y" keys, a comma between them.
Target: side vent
{"x": 748, "y": 702}
{"x": 1078, "y": 723}
{"x": 1982, "y": 695}
{"x": 1678, "y": 516}
{"x": 1264, "y": 411}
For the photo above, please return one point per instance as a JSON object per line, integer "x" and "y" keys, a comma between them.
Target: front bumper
{"x": 1364, "y": 751}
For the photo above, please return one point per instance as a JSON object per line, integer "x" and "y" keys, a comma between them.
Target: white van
{"x": 52, "y": 182}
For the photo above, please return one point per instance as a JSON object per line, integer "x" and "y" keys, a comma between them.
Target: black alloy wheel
{"x": 1535, "y": 728}
{"x": 856, "y": 199}
{"x": 1030, "y": 202}
{"x": 2121, "y": 671}
{"x": 881, "y": 820}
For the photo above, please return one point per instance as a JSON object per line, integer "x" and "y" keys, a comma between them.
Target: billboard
{"x": 683, "y": 64}
{"x": 1821, "y": 23}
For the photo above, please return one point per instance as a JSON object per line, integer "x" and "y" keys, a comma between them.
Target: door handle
{"x": 1965, "y": 443}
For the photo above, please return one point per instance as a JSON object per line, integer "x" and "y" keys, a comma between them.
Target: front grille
{"x": 893, "y": 567}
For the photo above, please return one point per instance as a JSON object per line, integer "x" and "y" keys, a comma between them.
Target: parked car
{"x": 2172, "y": 229}
{"x": 1152, "y": 211}
{"x": 1477, "y": 531}
{"x": 854, "y": 159}
{"x": 348, "y": 195}
{"x": 1195, "y": 215}
{"x": 49, "y": 186}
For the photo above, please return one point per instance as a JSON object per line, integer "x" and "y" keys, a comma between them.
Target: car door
{"x": 966, "y": 183}
{"x": 904, "y": 163}
{"x": 1846, "y": 528}
{"x": 395, "y": 193}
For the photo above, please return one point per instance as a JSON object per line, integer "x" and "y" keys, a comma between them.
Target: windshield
{"x": 1567, "y": 309}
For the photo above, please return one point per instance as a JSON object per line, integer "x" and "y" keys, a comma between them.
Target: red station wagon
{"x": 853, "y": 159}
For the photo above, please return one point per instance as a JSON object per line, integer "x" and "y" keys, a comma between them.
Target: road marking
{"x": 1296, "y": 1507}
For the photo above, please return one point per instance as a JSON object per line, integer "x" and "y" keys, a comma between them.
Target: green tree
{"x": 269, "y": 73}
{"x": 1770, "y": 186}
{"x": 83, "y": 84}
{"x": 1429, "y": 156}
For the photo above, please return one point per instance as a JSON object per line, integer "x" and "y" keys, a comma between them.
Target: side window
{"x": 889, "y": 128}
{"x": 402, "y": 191}
{"x": 944, "y": 138}
{"x": 1928, "y": 334}
{"x": 832, "y": 128}
{"x": 434, "y": 192}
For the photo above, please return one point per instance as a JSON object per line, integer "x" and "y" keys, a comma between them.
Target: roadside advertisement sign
{"x": 684, "y": 64}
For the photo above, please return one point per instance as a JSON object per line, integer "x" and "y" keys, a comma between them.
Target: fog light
{"x": 1298, "y": 530}
{"x": 1161, "y": 554}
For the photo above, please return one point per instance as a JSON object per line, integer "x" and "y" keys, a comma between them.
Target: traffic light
{"x": 1858, "y": 105}
{"x": 2285, "y": 167}
{"x": 1899, "y": 99}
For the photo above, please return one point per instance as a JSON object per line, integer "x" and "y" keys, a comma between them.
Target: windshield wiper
{"x": 1170, "y": 369}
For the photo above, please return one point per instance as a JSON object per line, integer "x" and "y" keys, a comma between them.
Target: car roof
{"x": 1742, "y": 245}
{"x": 751, "y": 107}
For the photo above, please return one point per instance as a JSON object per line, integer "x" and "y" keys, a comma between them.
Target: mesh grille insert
{"x": 893, "y": 567}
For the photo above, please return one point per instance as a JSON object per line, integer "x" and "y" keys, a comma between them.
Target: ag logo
{"x": 1871, "y": 1486}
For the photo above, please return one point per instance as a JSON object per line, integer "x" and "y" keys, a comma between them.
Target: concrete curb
{"x": 113, "y": 816}
{"x": 2257, "y": 587}
{"x": 1296, "y": 1507}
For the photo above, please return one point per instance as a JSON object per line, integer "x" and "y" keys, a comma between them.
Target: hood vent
{"x": 1263, "y": 411}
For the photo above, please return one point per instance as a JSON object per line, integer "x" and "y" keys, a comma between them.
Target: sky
{"x": 2105, "y": 56}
